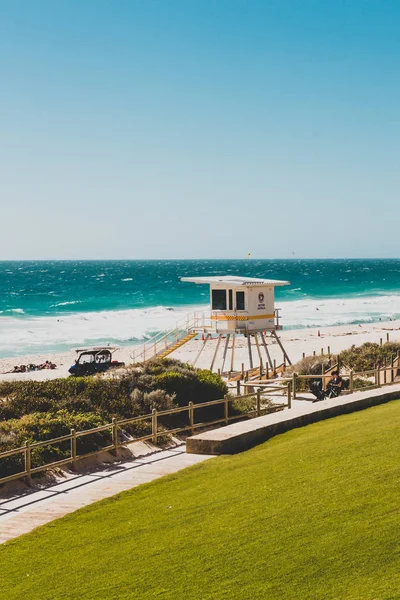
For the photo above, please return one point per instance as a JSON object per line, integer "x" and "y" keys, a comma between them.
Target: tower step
{"x": 177, "y": 345}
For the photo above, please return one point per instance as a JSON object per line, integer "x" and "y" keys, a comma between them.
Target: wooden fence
{"x": 287, "y": 386}
{"x": 117, "y": 427}
{"x": 380, "y": 377}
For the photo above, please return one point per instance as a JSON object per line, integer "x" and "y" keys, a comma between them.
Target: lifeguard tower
{"x": 240, "y": 306}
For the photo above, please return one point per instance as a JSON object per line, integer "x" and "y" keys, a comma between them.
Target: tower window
{"x": 239, "y": 300}
{"x": 218, "y": 299}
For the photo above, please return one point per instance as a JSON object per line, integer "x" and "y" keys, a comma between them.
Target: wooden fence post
{"x": 154, "y": 425}
{"x": 387, "y": 337}
{"x": 294, "y": 379}
{"x": 289, "y": 394}
{"x": 238, "y": 387}
{"x": 115, "y": 435}
{"x": 242, "y": 371}
{"x": 73, "y": 449}
{"x": 351, "y": 385}
{"x": 274, "y": 367}
{"x": 226, "y": 409}
{"x": 28, "y": 463}
{"x": 258, "y": 405}
{"x": 191, "y": 417}
{"x": 378, "y": 377}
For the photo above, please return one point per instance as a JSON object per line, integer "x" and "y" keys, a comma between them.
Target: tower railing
{"x": 198, "y": 321}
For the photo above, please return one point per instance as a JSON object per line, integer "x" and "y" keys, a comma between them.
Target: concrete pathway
{"x": 21, "y": 513}
{"x": 29, "y": 509}
{"x": 246, "y": 434}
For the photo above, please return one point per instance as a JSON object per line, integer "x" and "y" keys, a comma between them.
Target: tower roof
{"x": 235, "y": 280}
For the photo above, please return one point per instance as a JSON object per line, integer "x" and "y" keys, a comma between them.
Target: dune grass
{"x": 311, "y": 514}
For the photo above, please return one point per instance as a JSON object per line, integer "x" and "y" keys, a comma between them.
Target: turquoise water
{"x": 56, "y": 305}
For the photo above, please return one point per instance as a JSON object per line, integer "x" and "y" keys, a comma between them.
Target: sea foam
{"x": 29, "y": 335}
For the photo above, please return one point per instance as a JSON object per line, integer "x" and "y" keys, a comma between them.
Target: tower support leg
{"x": 216, "y": 351}
{"x": 249, "y": 347}
{"x": 266, "y": 351}
{"x": 202, "y": 348}
{"x": 285, "y": 356}
{"x": 259, "y": 351}
{"x": 225, "y": 351}
{"x": 233, "y": 350}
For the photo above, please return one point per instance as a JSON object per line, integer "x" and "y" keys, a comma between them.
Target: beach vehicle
{"x": 94, "y": 360}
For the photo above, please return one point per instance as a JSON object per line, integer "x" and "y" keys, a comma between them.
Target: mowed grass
{"x": 314, "y": 513}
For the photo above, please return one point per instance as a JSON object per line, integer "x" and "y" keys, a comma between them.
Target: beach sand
{"x": 295, "y": 342}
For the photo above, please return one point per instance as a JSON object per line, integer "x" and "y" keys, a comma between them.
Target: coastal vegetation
{"x": 312, "y": 513}
{"x": 367, "y": 357}
{"x": 38, "y": 411}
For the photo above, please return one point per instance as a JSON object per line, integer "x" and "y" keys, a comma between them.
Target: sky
{"x": 199, "y": 129}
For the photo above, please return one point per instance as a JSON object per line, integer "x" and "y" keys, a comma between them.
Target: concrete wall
{"x": 246, "y": 434}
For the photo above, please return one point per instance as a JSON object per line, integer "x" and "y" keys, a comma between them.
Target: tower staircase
{"x": 177, "y": 345}
{"x": 164, "y": 343}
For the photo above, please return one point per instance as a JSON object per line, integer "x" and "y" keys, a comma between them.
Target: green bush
{"x": 360, "y": 383}
{"x": 36, "y": 411}
{"x": 368, "y": 356}
{"x": 37, "y": 427}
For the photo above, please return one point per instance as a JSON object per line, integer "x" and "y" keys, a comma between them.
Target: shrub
{"x": 359, "y": 383}
{"x": 38, "y": 427}
{"x": 36, "y": 411}
{"x": 368, "y": 356}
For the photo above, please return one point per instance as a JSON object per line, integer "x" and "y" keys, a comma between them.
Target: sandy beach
{"x": 295, "y": 342}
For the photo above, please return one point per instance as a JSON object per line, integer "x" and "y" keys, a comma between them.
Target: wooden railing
{"x": 284, "y": 385}
{"x": 380, "y": 376}
{"x": 117, "y": 426}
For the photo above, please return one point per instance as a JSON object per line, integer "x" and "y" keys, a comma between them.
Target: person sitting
{"x": 335, "y": 386}
{"x": 333, "y": 389}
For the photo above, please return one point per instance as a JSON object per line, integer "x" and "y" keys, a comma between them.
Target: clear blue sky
{"x": 199, "y": 128}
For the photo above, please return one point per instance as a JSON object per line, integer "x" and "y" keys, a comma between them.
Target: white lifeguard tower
{"x": 240, "y": 306}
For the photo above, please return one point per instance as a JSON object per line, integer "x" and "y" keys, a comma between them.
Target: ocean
{"x": 53, "y": 306}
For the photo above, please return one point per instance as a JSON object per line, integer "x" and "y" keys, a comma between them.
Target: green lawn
{"x": 313, "y": 513}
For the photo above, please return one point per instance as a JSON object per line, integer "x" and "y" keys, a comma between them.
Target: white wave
{"x": 16, "y": 310}
{"x": 35, "y": 334}
{"x": 127, "y": 279}
{"x": 29, "y": 335}
{"x": 338, "y": 311}
{"x": 67, "y": 303}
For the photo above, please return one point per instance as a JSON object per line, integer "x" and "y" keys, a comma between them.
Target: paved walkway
{"x": 246, "y": 434}
{"x": 25, "y": 511}
{"x": 22, "y": 513}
